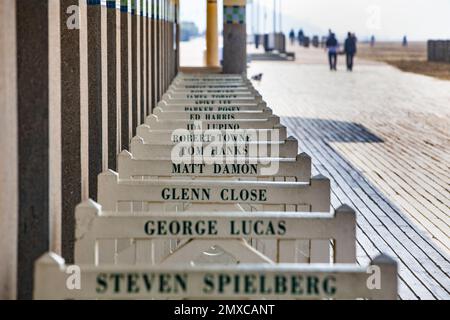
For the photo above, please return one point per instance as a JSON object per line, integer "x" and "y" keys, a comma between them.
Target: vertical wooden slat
{"x": 158, "y": 50}
{"x": 104, "y": 81}
{"x": 33, "y": 140}
{"x": 154, "y": 55}
{"x": 106, "y": 251}
{"x": 144, "y": 61}
{"x": 124, "y": 88}
{"x": 177, "y": 26}
{"x": 69, "y": 73}
{"x": 169, "y": 42}
{"x": 55, "y": 117}
{"x": 164, "y": 49}
{"x": 118, "y": 76}
{"x": 143, "y": 252}
{"x": 320, "y": 251}
{"x": 293, "y": 251}
{"x": 84, "y": 102}
{"x": 345, "y": 244}
{"x": 141, "y": 70}
{"x": 130, "y": 68}
{"x": 133, "y": 67}
{"x": 169, "y": 51}
{"x": 138, "y": 65}
{"x": 148, "y": 57}
{"x": 161, "y": 22}
{"x": 91, "y": 55}
{"x": 112, "y": 107}
{"x": 174, "y": 41}
{"x": 9, "y": 147}
{"x": 168, "y": 36}
{"x": 161, "y": 43}
{"x": 164, "y": 34}
{"x": 152, "y": 59}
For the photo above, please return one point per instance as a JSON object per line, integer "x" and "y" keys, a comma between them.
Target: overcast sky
{"x": 386, "y": 19}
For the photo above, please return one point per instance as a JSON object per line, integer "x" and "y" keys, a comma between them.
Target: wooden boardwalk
{"x": 382, "y": 137}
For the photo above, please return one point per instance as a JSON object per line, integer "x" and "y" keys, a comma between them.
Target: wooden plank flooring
{"x": 386, "y": 158}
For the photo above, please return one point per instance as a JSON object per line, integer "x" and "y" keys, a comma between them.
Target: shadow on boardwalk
{"x": 332, "y": 130}
{"x": 382, "y": 227}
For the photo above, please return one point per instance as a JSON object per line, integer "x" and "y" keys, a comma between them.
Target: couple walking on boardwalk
{"x": 332, "y": 46}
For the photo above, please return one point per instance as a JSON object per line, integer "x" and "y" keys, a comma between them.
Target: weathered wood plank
{"x": 401, "y": 251}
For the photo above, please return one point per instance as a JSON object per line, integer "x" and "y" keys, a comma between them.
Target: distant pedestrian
{"x": 405, "y": 41}
{"x": 301, "y": 37}
{"x": 333, "y": 48}
{"x": 315, "y": 41}
{"x": 372, "y": 41}
{"x": 292, "y": 36}
{"x": 350, "y": 50}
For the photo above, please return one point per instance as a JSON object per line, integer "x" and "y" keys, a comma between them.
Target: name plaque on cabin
{"x": 214, "y": 137}
{"x": 193, "y": 91}
{"x": 213, "y": 151}
{"x": 206, "y": 86}
{"x": 160, "y": 284}
{"x": 208, "y": 102}
{"x": 257, "y": 195}
{"x": 212, "y": 116}
{"x": 213, "y": 126}
{"x": 211, "y": 96}
{"x": 217, "y": 80}
{"x": 212, "y": 227}
{"x": 212, "y": 109}
{"x": 216, "y": 169}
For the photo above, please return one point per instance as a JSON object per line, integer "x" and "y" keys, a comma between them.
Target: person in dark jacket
{"x": 300, "y": 37}
{"x": 350, "y": 50}
{"x": 405, "y": 41}
{"x": 292, "y": 36}
{"x": 333, "y": 48}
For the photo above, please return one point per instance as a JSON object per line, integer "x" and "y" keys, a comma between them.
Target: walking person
{"x": 405, "y": 41}
{"x": 300, "y": 37}
{"x": 292, "y": 36}
{"x": 332, "y": 46}
{"x": 350, "y": 50}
